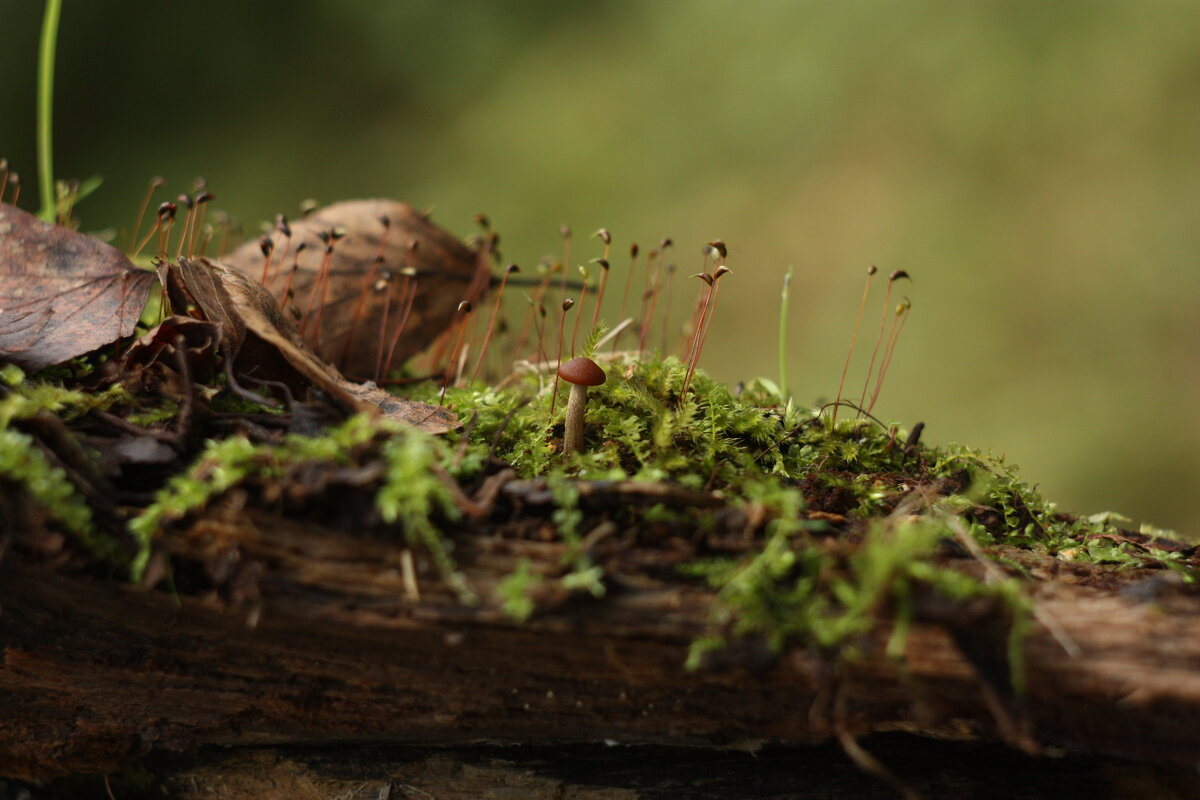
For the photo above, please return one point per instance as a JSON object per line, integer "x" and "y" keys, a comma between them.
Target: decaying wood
{"x": 332, "y": 645}
{"x": 934, "y": 768}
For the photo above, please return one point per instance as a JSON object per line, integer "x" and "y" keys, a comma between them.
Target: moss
{"x": 801, "y": 582}
{"x": 409, "y": 494}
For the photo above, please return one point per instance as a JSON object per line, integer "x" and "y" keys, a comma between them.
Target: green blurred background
{"x": 1035, "y": 165}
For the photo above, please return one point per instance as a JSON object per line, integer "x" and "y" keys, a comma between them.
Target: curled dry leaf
{"x": 259, "y": 342}
{"x": 200, "y": 340}
{"x": 362, "y": 298}
{"x": 62, "y": 293}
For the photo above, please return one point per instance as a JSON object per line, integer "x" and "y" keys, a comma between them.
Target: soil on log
{"x": 338, "y": 644}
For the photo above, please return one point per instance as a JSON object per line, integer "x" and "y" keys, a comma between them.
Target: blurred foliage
{"x": 1032, "y": 164}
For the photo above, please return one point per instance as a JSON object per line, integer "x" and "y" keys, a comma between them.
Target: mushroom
{"x": 581, "y": 373}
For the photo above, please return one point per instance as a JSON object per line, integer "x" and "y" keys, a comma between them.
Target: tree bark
{"x": 329, "y": 640}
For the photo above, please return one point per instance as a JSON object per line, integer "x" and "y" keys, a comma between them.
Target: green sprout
{"x": 45, "y": 109}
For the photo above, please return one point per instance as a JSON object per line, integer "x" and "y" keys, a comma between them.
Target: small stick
{"x": 15, "y": 180}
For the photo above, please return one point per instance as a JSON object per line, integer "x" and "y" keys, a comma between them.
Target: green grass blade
{"x": 45, "y": 109}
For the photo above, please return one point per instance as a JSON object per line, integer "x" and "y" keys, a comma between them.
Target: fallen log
{"x": 337, "y": 644}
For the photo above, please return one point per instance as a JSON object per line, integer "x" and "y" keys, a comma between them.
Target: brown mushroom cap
{"x": 582, "y": 371}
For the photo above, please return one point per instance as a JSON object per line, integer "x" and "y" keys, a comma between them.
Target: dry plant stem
{"x": 187, "y": 224}
{"x": 165, "y": 236}
{"x": 579, "y": 316}
{"x": 647, "y": 288}
{"x": 267, "y": 245}
{"x": 565, "y": 232}
{"x": 326, "y": 267}
{"x": 487, "y": 337}
{"x": 387, "y": 308}
{"x": 708, "y": 320}
{"x": 666, "y": 330}
{"x": 893, "y": 336}
{"x": 4, "y": 184}
{"x": 154, "y": 185}
{"x": 566, "y": 306}
{"x": 282, "y": 227}
{"x": 600, "y": 293}
{"x": 652, "y": 306}
{"x": 287, "y": 287}
{"x": 633, "y": 254}
{"x": 887, "y": 298}
{"x": 536, "y": 301}
{"x": 697, "y": 327}
{"x": 697, "y": 312}
{"x": 464, "y": 311}
{"x": 368, "y": 283}
{"x": 201, "y": 211}
{"x": 410, "y": 286}
{"x": 540, "y": 322}
{"x": 16, "y": 182}
{"x": 316, "y": 291}
{"x": 705, "y": 322}
{"x": 853, "y": 339}
{"x": 140, "y": 245}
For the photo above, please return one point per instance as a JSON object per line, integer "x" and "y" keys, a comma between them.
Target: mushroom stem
{"x": 573, "y": 431}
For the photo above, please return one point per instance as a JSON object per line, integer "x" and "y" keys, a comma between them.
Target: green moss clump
{"x": 410, "y": 494}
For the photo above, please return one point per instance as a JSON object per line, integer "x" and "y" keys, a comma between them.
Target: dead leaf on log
{"x": 62, "y": 293}
{"x": 368, "y": 243}
{"x": 200, "y": 340}
{"x": 259, "y": 342}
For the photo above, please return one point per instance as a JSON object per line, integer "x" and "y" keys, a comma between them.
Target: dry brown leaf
{"x": 261, "y": 343}
{"x": 62, "y": 293}
{"x": 364, "y": 280}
